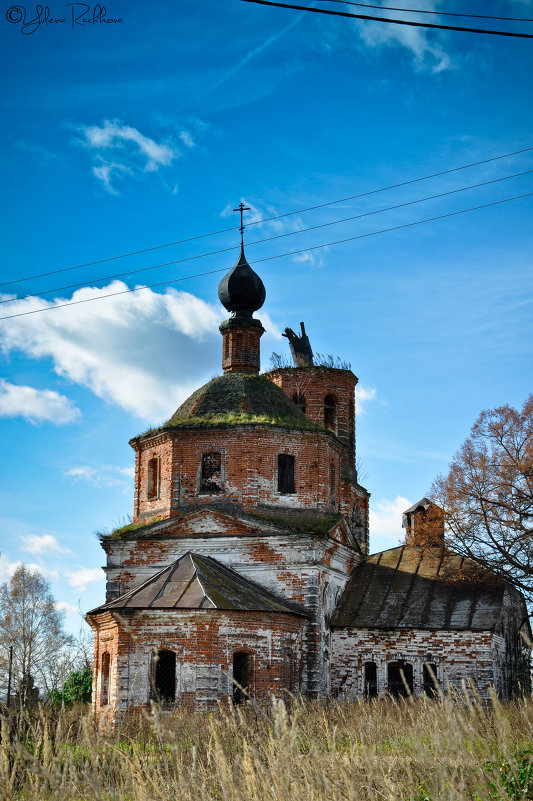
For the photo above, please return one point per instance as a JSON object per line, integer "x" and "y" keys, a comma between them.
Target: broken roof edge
{"x": 321, "y": 367}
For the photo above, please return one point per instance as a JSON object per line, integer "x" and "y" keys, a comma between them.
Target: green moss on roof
{"x": 118, "y": 533}
{"x": 302, "y": 523}
{"x": 237, "y": 399}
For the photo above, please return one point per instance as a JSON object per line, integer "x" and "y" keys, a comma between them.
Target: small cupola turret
{"x": 241, "y": 292}
{"x": 424, "y": 524}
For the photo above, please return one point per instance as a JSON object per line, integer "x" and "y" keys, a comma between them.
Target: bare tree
{"x": 33, "y": 626}
{"x": 488, "y": 494}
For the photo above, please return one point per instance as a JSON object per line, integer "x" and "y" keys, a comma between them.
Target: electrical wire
{"x": 425, "y": 11}
{"x": 387, "y": 19}
{"x": 269, "y": 238}
{"x": 271, "y": 258}
{"x": 276, "y": 217}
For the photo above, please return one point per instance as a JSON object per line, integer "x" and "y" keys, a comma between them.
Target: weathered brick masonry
{"x": 246, "y": 571}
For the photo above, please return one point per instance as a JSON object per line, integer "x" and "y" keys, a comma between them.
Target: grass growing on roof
{"x": 305, "y": 524}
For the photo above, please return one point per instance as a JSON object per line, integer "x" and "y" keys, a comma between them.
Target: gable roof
{"x": 199, "y": 582}
{"x": 421, "y": 588}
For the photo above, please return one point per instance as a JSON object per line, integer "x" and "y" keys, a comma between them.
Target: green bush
{"x": 77, "y": 689}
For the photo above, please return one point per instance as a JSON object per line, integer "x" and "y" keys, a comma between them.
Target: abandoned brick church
{"x": 246, "y": 569}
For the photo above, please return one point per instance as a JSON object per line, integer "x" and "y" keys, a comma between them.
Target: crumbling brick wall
{"x": 459, "y": 656}
{"x": 204, "y": 642}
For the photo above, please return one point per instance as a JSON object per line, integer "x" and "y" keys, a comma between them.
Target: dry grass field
{"x": 420, "y": 750}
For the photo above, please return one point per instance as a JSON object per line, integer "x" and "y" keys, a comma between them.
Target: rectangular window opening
{"x": 211, "y": 478}
{"x": 430, "y": 685}
{"x": 286, "y": 474}
{"x": 371, "y": 680}
{"x": 152, "y": 488}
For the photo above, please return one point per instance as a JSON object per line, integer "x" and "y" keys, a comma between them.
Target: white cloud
{"x": 119, "y": 150}
{"x": 36, "y": 405}
{"x": 364, "y": 395}
{"x": 35, "y": 543}
{"x": 107, "y": 171}
{"x": 423, "y": 46}
{"x": 145, "y": 351}
{"x": 187, "y": 139}
{"x": 104, "y": 476}
{"x": 386, "y": 522}
{"x": 85, "y": 575}
{"x": 7, "y": 568}
{"x": 69, "y": 609}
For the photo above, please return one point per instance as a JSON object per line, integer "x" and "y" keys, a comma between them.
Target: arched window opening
{"x": 300, "y": 401}
{"x": 371, "y": 679}
{"x": 400, "y": 679}
{"x": 332, "y": 493}
{"x": 211, "y": 478}
{"x": 241, "y": 677}
{"x": 330, "y": 412}
{"x": 164, "y": 676}
{"x": 152, "y": 489}
{"x": 429, "y": 679}
{"x": 104, "y": 679}
{"x": 286, "y": 474}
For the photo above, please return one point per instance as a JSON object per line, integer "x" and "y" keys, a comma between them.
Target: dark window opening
{"x": 211, "y": 480}
{"x": 104, "y": 681}
{"x": 429, "y": 678}
{"x": 164, "y": 676}
{"x": 400, "y": 679}
{"x": 371, "y": 680}
{"x": 299, "y": 399}
{"x": 226, "y": 346}
{"x": 241, "y": 677}
{"x": 330, "y": 412}
{"x": 152, "y": 490}
{"x": 285, "y": 474}
{"x": 332, "y": 494}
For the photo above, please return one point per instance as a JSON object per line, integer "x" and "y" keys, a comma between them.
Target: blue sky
{"x": 118, "y": 137}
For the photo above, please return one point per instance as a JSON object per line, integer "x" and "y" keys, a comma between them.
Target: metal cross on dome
{"x": 242, "y": 208}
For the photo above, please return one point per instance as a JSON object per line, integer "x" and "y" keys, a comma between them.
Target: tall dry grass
{"x": 423, "y": 750}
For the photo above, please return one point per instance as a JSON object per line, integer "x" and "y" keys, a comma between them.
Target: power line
{"x": 387, "y": 19}
{"x": 269, "y": 238}
{"x": 271, "y": 258}
{"x": 275, "y": 217}
{"x": 424, "y": 11}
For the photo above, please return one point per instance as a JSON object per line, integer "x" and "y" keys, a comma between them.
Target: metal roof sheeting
{"x": 421, "y": 588}
{"x": 199, "y": 582}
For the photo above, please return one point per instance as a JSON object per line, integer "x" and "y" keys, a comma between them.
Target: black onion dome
{"x": 241, "y": 291}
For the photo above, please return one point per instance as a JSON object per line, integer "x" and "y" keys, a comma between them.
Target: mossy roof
{"x": 303, "y": 522}
{"x": 236, "y": 399}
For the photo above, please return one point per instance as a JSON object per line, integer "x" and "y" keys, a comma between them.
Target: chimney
{"x": 424, "y": 525}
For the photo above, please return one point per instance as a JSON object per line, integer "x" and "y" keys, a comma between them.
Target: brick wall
{"x": 204, "y": 642}
{"x": 249, "y": 470}
{"x": 240, "y": 347}
{"x": 314, "y": 384}
{"x": 458, "y": 655}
